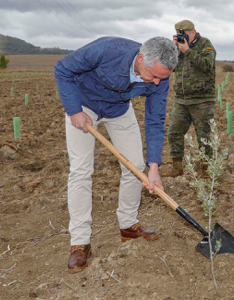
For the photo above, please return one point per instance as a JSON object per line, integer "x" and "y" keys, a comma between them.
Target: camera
{"x": 181, "y": 36}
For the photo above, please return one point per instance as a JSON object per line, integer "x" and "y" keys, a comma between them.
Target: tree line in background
{"x": 228, "y": 68}
{"x": 13, "y": 46}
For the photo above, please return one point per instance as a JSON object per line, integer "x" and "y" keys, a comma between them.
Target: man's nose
{"x": 156, "y": 81}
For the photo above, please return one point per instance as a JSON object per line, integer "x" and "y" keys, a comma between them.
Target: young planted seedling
{"x": 206, "y": 187}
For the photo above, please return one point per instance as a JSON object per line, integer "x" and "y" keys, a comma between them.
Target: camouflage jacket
{"x": 195, "y": 73}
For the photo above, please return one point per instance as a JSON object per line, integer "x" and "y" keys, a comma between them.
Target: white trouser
{"x": 125, "y": 135}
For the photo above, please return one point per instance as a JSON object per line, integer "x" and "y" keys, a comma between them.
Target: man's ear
{"x": 140, "y": 57}
{"x": 194, "y": 32}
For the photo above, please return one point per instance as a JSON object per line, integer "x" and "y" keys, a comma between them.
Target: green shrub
{"x": 3, "y": 62}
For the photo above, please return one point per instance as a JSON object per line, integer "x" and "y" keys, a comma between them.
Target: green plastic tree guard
{"x": 219, "y": 91}
{"x": 229, "y": 123}
{"x": 227, "y": 109}
{"x": 16, "y": 127}
{"x": 26, "y": 99}
{"x": 220, "y": 100}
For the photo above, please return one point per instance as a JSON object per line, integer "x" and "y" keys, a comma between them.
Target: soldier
{"x": 195, "y": 93}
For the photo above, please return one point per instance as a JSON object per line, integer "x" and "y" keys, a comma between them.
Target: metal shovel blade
{"x": 217, "y": 234}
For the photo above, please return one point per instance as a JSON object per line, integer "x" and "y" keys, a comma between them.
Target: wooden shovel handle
{"x": 132, "y": 167}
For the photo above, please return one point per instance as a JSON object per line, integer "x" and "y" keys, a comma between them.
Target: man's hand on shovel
{"x": 154, "y": 178}
{"x": 80, "y": 120}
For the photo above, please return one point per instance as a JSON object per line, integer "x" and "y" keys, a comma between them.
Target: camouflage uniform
{"x": 195, "y": 95}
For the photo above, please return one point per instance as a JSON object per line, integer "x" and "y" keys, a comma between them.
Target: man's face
{"x": 151, "y": 74}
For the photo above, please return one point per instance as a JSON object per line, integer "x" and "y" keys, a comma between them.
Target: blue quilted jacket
{"x": 97, "y": 76}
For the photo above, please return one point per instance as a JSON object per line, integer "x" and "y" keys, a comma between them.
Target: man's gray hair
{"x": 160, "y": 50}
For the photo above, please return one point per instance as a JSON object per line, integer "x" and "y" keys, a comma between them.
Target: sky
{"x": 70, "y": 24}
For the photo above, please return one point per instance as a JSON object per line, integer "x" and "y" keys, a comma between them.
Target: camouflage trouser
{"x": 181, "y": 118}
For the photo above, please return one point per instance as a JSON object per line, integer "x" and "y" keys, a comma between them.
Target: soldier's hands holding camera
{"x": 181, "y": 41}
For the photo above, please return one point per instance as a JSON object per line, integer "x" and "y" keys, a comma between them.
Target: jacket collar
{"x": 127, "y": 61}
{"x": 125, "y": 66}
{"x": 196, "y": 39}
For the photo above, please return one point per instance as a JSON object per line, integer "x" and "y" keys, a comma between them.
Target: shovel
{"x": 217, "y": 234}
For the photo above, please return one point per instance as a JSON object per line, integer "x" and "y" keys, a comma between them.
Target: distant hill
{"x": 13, "y": 46}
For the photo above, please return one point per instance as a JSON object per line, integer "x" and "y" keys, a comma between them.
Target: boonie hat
{"x": 185, "y": 25}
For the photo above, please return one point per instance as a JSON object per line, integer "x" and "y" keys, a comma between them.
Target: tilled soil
{"x": 34, "y": 238}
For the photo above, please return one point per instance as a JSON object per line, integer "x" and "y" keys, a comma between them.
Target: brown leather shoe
{"x": 177, "y": 168}
{"x": 78, "y": 258}
{"x": 136, "y": 231}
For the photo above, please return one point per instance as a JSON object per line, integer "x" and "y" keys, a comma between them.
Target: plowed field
{"x": 34, "y": 237}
